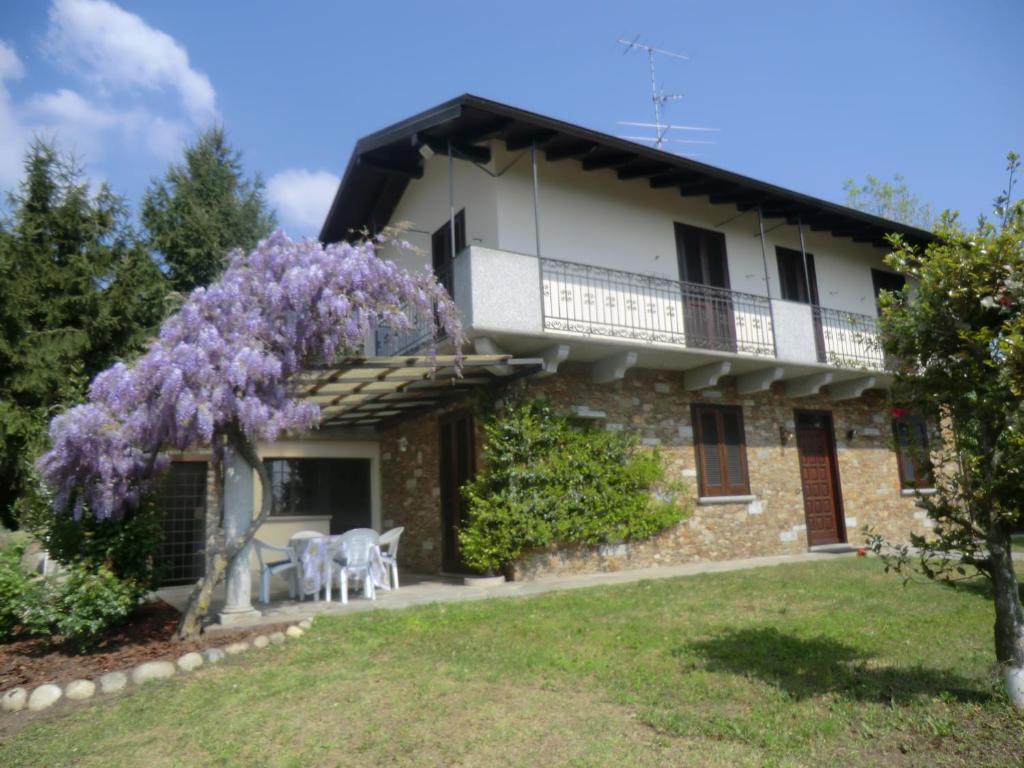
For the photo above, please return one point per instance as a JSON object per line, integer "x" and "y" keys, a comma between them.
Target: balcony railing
{"x": 405, "y": 341}
{"x": 847, "y": 339}
{"x": 600, "y": 302}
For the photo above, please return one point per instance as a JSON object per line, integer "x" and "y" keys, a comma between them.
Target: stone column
{"x": 239, "y": 503}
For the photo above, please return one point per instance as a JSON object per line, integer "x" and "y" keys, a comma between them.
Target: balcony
{"x": 511, "y": 296}
{"x": 598, "y": 302}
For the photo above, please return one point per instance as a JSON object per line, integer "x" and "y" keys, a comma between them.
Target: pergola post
{"x": 239, "y": 502}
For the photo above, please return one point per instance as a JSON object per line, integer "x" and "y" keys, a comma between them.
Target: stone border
{"x": 46, "y": 695}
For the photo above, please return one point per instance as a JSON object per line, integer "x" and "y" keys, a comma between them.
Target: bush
{"x": 17, "y": 589}
{"x": 105, "y": 567}
{"x": 125, "y": 547}
{"x": 80, "y": 604}
{"x": 547, "y": 482}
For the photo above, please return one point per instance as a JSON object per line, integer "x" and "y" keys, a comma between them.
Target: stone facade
{"x": 411, "y": 490}
{"x": 655, "y": 406}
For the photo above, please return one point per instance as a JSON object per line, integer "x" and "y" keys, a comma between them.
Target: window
{"x": 912, "y": 455}
{"x": 441, "y": 249}
{"x": 721, "y": 450}
{"x": 798, "y": 280}
{"x": 886, "y": 281}
{"x": 701, "y": 254}
{"x": 339, "y": 488}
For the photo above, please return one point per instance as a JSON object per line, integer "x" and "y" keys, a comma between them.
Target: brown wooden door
{"x": 458, "y": 465}
{"x": 707, "y": 303}
{"x": 822, "y": 501}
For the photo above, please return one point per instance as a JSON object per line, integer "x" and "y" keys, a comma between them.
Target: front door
{"x": 707, "y": 304}
{"x": 819, "y": 475}
{"x": 458, "y": 465}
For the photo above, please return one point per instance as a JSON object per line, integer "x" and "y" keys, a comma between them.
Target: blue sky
{"x": 806, "y": 94}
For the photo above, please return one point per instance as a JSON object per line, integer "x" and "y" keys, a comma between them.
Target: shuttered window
{"x": 912, "y": 454}
{"x": 721, "y": 450}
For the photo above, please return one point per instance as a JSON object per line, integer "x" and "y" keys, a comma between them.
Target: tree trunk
{"x": 1009, "y": 625}
{"x": 219, "y": 551}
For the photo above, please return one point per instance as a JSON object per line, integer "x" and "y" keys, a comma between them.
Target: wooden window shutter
{"x": 721, "y": 451}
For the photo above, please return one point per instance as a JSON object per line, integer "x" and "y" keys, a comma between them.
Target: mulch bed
{"x": 146, "y": 636}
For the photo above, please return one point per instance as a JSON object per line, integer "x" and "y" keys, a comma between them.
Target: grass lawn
{"x": 823, "y": 663}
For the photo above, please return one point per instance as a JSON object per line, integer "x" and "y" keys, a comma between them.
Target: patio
{"x": 420, "y": 589}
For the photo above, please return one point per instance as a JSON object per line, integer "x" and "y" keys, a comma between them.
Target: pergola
{"x": 377, "y": 391}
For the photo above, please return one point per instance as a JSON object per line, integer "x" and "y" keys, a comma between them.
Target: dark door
{"x": 441, "y": 252}
{"x": 458, "y": 464}
{"x": 820, "y": 478}
{"x": 707, "y": 306}
{"x": 181, "y": 501}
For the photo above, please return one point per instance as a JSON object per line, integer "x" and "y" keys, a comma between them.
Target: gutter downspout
{"x": 767, "y": 281}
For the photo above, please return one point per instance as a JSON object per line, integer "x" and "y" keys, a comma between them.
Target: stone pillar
{"x": 239, "y": 503}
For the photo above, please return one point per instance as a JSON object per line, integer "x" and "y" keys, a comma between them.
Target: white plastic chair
{"x": 289, "y": 565}
{"x": 389, "y": 553}
{"x": 356, "y": 545}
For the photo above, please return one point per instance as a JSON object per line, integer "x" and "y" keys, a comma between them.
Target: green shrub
{"x": 547, "y": 481}
{"x": 126, "y": 547}
{"x": 79, "y": 604}
{"x": 17, "y": 589}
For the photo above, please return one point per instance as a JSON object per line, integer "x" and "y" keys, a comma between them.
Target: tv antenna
{"x": 659, "y": 99}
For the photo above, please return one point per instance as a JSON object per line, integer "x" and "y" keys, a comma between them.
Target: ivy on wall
{"x": 547, "y": 480}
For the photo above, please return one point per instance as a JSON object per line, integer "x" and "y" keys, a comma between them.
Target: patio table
{"x": 316, "y": 554}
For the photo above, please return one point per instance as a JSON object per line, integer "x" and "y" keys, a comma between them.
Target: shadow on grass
{"x": 804, "y": 668}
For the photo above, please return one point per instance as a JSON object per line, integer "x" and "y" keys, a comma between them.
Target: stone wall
{"x": 411, "y": 491}
{"x": 655, "y": 406}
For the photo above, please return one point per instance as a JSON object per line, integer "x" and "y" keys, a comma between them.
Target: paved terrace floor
{"x": 423, "y": 590}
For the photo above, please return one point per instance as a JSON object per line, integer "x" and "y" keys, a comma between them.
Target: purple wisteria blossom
{"x": 224, "y": 361}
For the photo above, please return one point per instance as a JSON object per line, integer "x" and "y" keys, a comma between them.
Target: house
{"x": 728, "y": 321}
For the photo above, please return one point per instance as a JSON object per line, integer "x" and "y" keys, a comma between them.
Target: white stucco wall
{"x": 594, "y": 218}
{"x": 424, "y": 208}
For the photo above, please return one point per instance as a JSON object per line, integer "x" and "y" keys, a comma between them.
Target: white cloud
{"x": 12, "y": 134}
{"x": 117, "y": 50}
{"x": 121, "y": 63}
{"x": 302, "y": 197}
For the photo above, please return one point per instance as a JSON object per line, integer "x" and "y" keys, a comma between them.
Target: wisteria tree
{"x": 218, "y": 375}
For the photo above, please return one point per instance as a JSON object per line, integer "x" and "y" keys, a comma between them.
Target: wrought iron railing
{"x": 599, "y": 302}
{"x": 847, "y": 339}
{"x": 405, "y": 341}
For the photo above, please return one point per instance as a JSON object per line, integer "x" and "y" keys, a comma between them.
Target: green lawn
{"x": 824, "y": 663}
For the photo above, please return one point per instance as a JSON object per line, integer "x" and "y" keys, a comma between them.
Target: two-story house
{"x": 728, "y": 321}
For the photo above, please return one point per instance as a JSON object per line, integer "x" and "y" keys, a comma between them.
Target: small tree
{"x": 202, "y": 209}
{"x": 219, "y": 374}
{"x": 889, "y": 199}
{"x": 957, "y": 333}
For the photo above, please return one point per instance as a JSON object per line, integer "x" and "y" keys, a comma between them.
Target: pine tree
{"x": 203, "y": 208}
{"x": 78, "y": 291}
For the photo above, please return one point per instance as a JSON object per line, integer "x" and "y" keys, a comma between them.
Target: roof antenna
{"x": 659, "y": 99}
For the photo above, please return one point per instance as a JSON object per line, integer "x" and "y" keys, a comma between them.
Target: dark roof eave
{"x": 404, "y": 131}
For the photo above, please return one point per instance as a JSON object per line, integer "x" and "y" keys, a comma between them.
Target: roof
{"x": 383, "y": 163}
{"x": 378, "y": 391}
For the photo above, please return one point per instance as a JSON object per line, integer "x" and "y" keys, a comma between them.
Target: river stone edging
{"x": 44, "y": 696}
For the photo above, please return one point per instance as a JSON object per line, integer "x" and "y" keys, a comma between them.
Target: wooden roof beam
{"x": 596, "y": 161}
{"x": 566, "y": 149}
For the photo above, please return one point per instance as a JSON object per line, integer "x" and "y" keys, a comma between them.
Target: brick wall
{"x": 655, "y": 406}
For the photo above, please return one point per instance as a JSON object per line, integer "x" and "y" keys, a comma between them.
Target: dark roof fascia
{"x": 449, "y": 111}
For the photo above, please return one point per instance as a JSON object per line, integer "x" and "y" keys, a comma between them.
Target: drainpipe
{"x": 536, "y": 196}
{"x": 451, "y": 203}
{"x": 767, "y": 281}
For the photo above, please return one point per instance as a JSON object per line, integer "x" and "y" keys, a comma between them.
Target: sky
{"x": 804, "y": 94}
